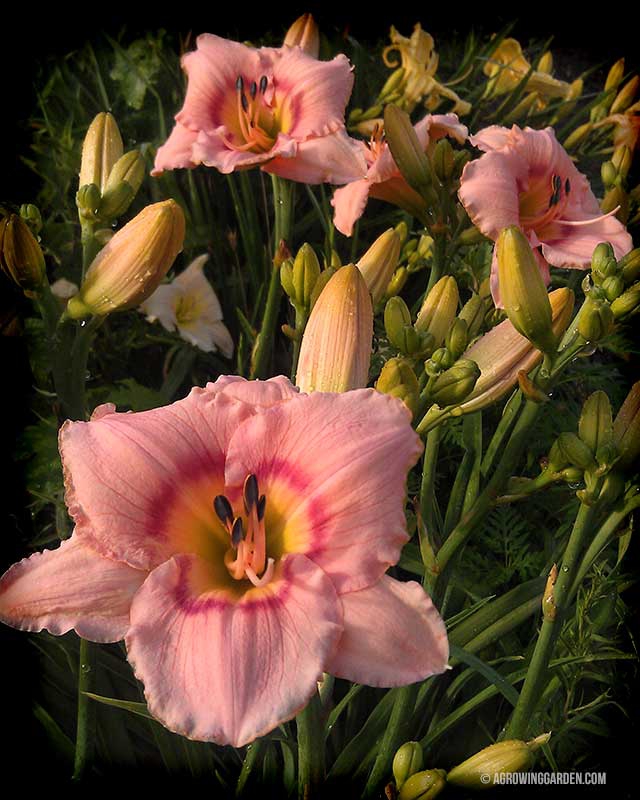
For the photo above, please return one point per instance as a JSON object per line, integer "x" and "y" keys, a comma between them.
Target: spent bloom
{"x": 383, "y": 179}
{"x": 238, "y": 540}
{"x": 279, "y": 108}
{"x": 526, "y": 178}
{"x": 190, "y": 305}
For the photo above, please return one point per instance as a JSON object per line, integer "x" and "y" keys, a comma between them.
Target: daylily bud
{"x": 88, "y": 200}
{"x": 576, "y": 137}
{"x": 286, "y": 278}
{"x": 21, "y": 258}
{"x": 425, "y": 246}
{"x": 614, "y": 78}
{"x": 399, "y": 380}
{"x": 396, "y": 317}
{"x": 595, "y": 426}
{"x": 626, "y": 428}
{"x": 393, "y": 82}
{"x": 575, "y": 451}
{"x": 402, "y": 229}
{"x": 470, "y": 236}
{"x": 31, "y": 215}
{"x": 603, "y": 262}
{"x": 305, "y": 273}
{"x": 630, "y": 266}
{"x": 596, "y": 320}
{"x": 545, "y": 63}
{"x": 621, "y": 160}
{"x": 406, "y": 762}
{"x": 397, "y": 282}
{"x": 613, "y": 287}
{"x": 304, "y": 34}
{"x": 608, "y": 173}
{"x": 323, "y": 279}
{"x": 523, "y": 291}
{"x": 336, "y": 346}
{"x": 454, "y": 386}
{"x": 557, "y": 460}
{"x": 572, "y": 475}
{"x": 440, "y": 360}
{"x": 442, "y": 159}
{"x": 616, "y": 198}
{"x": 122, "y": 186}
{"x": 457, "y": 339}
{"x": 473, "y": 314}
{"x": 612, "y": 488}
{"x": 379, "y": 262}
{"x": 530, "y": 390}
{"x": 101, "y": 149}
{"x": 439, "y": 309}
{"x": 627, "y": 303}
{"x": 512, "y": 755}
{"x": 423, "y": 785}
{"x": 406, "y": 149}
{"x": 132, "y": 264}
{"x": 625, "y": 96}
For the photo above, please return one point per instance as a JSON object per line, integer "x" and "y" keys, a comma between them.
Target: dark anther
{"x": 245, "y": 102}
{"x": 250, "y": 492}
{"x": 239, "y": 83}
{"x": 253, "y": 90}
{"x": 556, "y": 182}
{"x": 236, "y": 532}
{"x": 567, "y": 186}
{"x": 223, "y": 509}
{"x": 263, "y": 84}
{"x": 262, "y": 504}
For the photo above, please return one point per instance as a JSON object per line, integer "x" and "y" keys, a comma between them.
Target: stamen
{"x": 223, "y": 509}
{"x": 567, "y": 186}
{"x": 250, "y": 492}
{"x": 245, "y": 102}
{"x": 253, "y": 90}
{"x": 262, "y": 504}
{"x": 236, "y": 532}
{"x": 263, "y": 84}
{"x": 239, "y": 83}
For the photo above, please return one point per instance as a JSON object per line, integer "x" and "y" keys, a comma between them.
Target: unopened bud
{"x": 425, "y": 246}
{"x": 626, "y": 428}
{"x": 621, "y": 160}
{"x": 393, "y": 82}
{"x": 397, "y": 282}
{"x": 399, "y": 380}
{"x": 286, "y": 278}
{"x": 396, "y": 317}
{"x": 596, "y": 320}
{"x": 305, "y": 274}
{"x": 557, "y": 460}
{"x": 576, "y": 137}
{"x": 304, "y": 34}
{"x": 21, "y": 257}
{"x": 630, "y": 266}
{"x": 625, "y": 96}
{"x": 101, "y": 148}
{"x": 31, "y": 215}
{"x": 336, "y": 345}
{"x": 470, "y": 236}
{"x": 439, "y": 309}
{"x": 626, "y": 303}
{"x": 379, "y": 262}
{"x": 611, "y": 489}
{"x": 454, "y": 386}
{"x": 442, "y": 159}
{"x": 613, "y": 287}
{"x": 603, "y": 262}
{"x": 122, "y": 186}
{"x": 608, "y": 173}
{"x": 440, "y": 360}
{"x": 615, "y": 75}
{"x": 131, "y": 265}
{"x": 324, "y": 278}
{"x": 572, "y": 475}
{"x": 522, "y": 289}
{"x": 457, "y": 339}
{"x": 473, "y": 314}
{"x": 575, "y": 451}
{"x": 616, "y": 198}
{"x": 406, "y": 149}
{"x": 402, "y": 229}
{"x": 502, "y": 758}
{"x": 423, "y": 785}
{"x": 406, "y": 762}
{"x": 88, "y": 201}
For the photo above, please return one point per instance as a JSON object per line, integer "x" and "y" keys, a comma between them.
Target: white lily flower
{"x": 190, "y": 305}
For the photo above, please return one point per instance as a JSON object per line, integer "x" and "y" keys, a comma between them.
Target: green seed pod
{"x": 423, "y": 785}
{"x": 575, "y": 451}
{"x": 512, "y": 755}
{"x": 407, "y": 760}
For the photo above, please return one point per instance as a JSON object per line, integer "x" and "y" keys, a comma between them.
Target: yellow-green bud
{"x": 626, "y": 428}
{"x": 473, "y": 314}
{"x": 523, "y": 291}
{"x": 557, "y": 460}
{"x": 396, "y": 317}
{"x": 379, "y": 262}
{"x": 409, "y": 247}
{"x": 323, "y": 279}
{"x": 572, "y": 475}
{"x": 460, "y": 160}
{"x": 399, "y": 380}
{"x": 442, "y": 159}
{"x": 402, "y": 229}
{"x": 406, "y": 149}
{"x": 616, "y": 197}
{"x": 393, "y": 82}
{"x": 470, "y": 236}
{"x": 407, "y": 761}
{"x": 440, "y": 360}
{"x": 397, "y": 282}
{"x": 595, "y": 426}
{"x": 596, "y": 320}
{"x": 621, "y": 160}
{"x": 627, "y": 303}
{"x": 423, "y": 785}
{"x": 21, "y": 257}
{"x": 603, "y": 262}
{"x": 133, "y": 263}
{"x": 575, "y": 451}
{"x": 306, "y": 271}
{"x": 613, "y": 287}
{"x": 625, "y": 96}
{"x": 286, "y": 278}
{"x": 123, "y": 185}
{"x": 502, "y": 758}
{"x": 630, "y": 266}
{"x": 31, "y": 215}
{"x": 457, "y": 339}
{"x": 608, "y": 173}
{"x": 454, "y": 385}
{"x": 611, "y": 489}
{"x": 88, "y": 201}
{"x": 615, "y": 75}
{"x": 606, "y": 455}
{"x": 439, "y": 309}
{"x": 576, "y": 137}
{"x": 425, "y": 246}
{"x": 372, "y": 113}
{"x": 101, "y": 148}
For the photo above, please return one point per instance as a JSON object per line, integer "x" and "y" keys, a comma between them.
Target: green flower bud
{"x": 286, "y": 278}
{"x": 625, "y": 96}
{"x": 608, "y": 173}
{"x": 595, "y": 427}
{"x": 393, "y": 82}
{"x": 101, "y": 149}
{"x": 21, "y": 257}
{"x": 557, "y": 459}
{"x": 457, "y": 339}
{"x": 572, "y": 475}
{"x": 406, "y": 762}
{"x": 473, "y": 314}
{"x": 379, "y": 262}
{"x": 575, "y": 451}
{"x": 31, "y": 215}
{"x": 470, "y": 236}
{"x": 88, "y": 201}
{"x": 323, "y": 279}
{"x": 371, "y": 113}
{"x": 402, "y": 229}
{"x": 440, "y": 360}
{"x": 621, "y": 160}
{"x": 442, "y": 159}
{"x": 399, "y": 380}
{"x": 603, "y": 261}
{"x": 305, "y": 274}
{"x": 123, "y": 184}
{"x": 454, "y": 385}
{"x": 630, "y": 266}
{"x": 612, "y": 488}
{"x": 409, "y": 247}
{"x": 439, "y": 309}
{"x": 511, "y": 755}
{"x": 425, "y": 246}
{"x": 423, "y": 785}
{"x": 523, "y": 291}
{"x": 613, "y": 287}
{"x": 577, "y": 136}
{"x": 406, "y": 149}
{"x": 396, "y": 317}
{"x": 596, "y": 320}
{"x": 626, "y": 428}
{"x": 627, "y": 303}
{"x": 397, "y": 282}
{"x": 615, "y": 76}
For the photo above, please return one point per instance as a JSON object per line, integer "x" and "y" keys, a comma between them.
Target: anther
{"x": 245, "y": 102}
{"x": 236, "y": 532}
{"x": 253, "y": 90}
{"x": 262, "y": 504}
{"x": 567, "y": 186}
{"x": 239, "y": 83}
{"x": 223, "y": 509}
{"x": 250, "y": 492}
{"x": 263, "y": 84}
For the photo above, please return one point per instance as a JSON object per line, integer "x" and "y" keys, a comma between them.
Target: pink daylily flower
{"x": 238, "y": 541}
{"x": 526, "y": 178}
{"x": 383, "y": 179}
{"x": 279, "y": 108}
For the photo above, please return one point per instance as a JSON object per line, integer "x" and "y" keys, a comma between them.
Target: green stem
{"x": 427, "y": 488}
{"x": 84, "y": 742}
{"x": 90, "y": 245}
{"x": 501, "y": 432}
{"x": 301, "y": 323}
{"x": 311, "y": 768}
{"x": 438, "y": 262}
{"x": 253, "y": 752}
{"x": 551, "y": 626}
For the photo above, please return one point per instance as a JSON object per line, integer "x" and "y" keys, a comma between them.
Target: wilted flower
{"x": 232, "y": 540}
{"x": 190, "y": 304}
{"x": 526, "y": 178}
{"x": 278, "y": 108}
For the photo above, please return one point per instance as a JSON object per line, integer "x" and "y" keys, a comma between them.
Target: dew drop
{"x": 565, "y": 568}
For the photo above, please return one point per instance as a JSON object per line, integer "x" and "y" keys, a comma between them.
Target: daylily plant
{"x": 279, "y": 108}
{"x": 238, "y": 541}
{"x": 190, "y": 304}
{"x": 526, "y": 178}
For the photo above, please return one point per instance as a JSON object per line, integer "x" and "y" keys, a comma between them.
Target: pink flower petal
{"x": 177, "y": 151}
{"x": 140, "y": 486}
{"x": 393, "y": 636}
{"x": 224, "y": 669}
{"x": 572, "y": 247}
{"x": 72, "y": 587}
{"x": 349, "y": 203}
{"x": 489, "y": 192}
{"x": 259, "y": 394}
{"x": 316, "y": 92}
{"x": 333, "y": 468}
{"x": 328, "y": 159}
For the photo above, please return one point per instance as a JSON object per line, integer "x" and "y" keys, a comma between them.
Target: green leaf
{"x": 126, "y": 705}
{"x": 129, "y": 394}
{"x": 494, "y": 677}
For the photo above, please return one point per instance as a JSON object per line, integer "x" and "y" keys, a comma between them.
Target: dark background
{"x": 31, "y": 36}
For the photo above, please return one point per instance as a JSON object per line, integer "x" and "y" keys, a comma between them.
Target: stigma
{"x": 246, "y": 557}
